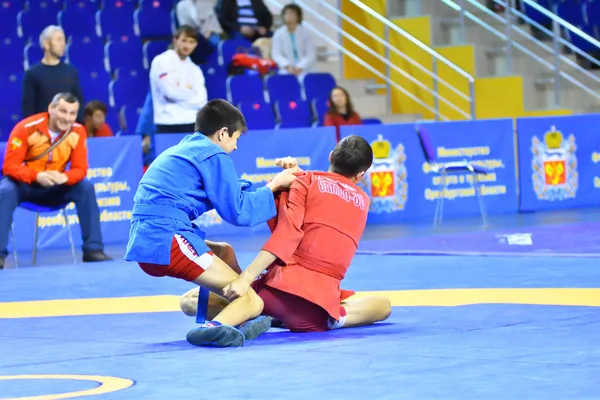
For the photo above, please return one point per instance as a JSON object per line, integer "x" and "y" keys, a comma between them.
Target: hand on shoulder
{"x": 288, "y": 163}
{"x": 282, "y": 180}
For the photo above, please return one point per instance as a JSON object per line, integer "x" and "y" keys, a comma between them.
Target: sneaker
{"x": 255, "y": 327}
{"x": 95, "y": 256}
{"x": 216, "y": 336}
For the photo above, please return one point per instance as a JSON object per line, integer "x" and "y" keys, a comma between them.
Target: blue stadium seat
{"x": 19, "y": 4}
{"x": 536, "y": 15}
{"x": 8, "y": 18}
{"x": 5, "y": 129}
{"x": 153, "y": 48}
{"x": 215, "y": 78}
{"x": 79, "y": 22}
{"x": 10, "y": 106}
{"x": 85, "y": 39}
{"x": 30, "y": 23}
{"x": 86, "y": 55}
{"x": 121, "y": 93}
{"x": 152, "y": 22}
{"x": 32, "y": 54}
{"x": 371, "y": 121}
{"x": 592, "y": 12}
{"x": 573, "y": 12}
{"x": 131, "y": 114}
{"x": 115, "y": 21}
{"x": 258, "y": 115}
{"x": 119, "y": 4}
{"x": 94, "y": 85}
{"x": 48, "y": 6}
{"x": 11, "y": 49}
{"x": 293, "y": 114}
{"x": 175, "y": 22}
{"x": 320, "y": 107}
{"x": 245, "y": 88}
{"x": 10, "y": 117}
{"x": 213, "y": 59}
{"x": 317, "y": 85}
{"x": 91, "y": 5}
{"x": 113, "y": 119}
{"x": 124, "y": 53}
{"x": 164, "y": 4}
{"x": 230, "y": 47}
{"x": 283, "y": 88}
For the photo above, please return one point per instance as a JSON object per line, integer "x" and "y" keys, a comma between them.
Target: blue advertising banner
{"x": 255, "y": 160}
{"x": 403, "y": 187}
{"x": 559, "y": 162}
{"x": 115, "y": 168}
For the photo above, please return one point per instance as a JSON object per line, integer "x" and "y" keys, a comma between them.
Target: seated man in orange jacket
{"x": 34, "y": 170}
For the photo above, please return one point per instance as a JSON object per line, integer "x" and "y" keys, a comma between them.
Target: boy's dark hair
{"x": 351, "y": 156}
{"x": 186, "y": 30}
{"x": 217, "y": 114}
{"x": 93, "y": 106}
{"x": 295, "y": 8}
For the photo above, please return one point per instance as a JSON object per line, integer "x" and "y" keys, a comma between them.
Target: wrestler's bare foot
{"x": 366, "y": 311}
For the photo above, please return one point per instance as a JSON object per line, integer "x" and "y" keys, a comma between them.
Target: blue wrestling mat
{"x": 462, "y": 328}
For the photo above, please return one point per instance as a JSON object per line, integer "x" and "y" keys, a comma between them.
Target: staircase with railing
{"x": 415, "y": 79}
{"x": 452, "y": 59}
{"x": 553, "y": 59}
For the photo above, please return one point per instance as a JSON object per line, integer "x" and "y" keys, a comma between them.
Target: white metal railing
{"x": 388, "y": 48}
{"x": 511, "y": 28}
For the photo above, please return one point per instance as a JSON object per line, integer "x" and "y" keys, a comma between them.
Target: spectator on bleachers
{"x": 250, "y": 19}
{"x": 201, "y": 15}
{"x": 293, "y": 48}
{"x": 177, "y": 84}
{"x": 497, "y": 7}
{"x": 341, "y": 112}
{"x": 51, "y": 76}
{"x": 95, "y": 120}
{"x": 37, "y": 154}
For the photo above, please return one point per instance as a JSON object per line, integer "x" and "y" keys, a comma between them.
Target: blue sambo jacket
{"x": 183, "y": 183}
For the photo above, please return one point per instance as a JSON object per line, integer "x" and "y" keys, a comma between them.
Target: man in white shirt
{"x": 177, "y": 84}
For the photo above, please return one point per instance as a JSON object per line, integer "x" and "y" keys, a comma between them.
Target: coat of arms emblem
{"x": 554, "y": 165}
{"x": 385, "y": 182}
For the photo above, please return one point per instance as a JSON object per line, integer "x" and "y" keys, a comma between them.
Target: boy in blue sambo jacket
{"x": 183, "y": 183}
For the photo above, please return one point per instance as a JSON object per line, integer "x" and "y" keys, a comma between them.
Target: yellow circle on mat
{"x": 108, "y": 384}
{"x": 399, "y": 298}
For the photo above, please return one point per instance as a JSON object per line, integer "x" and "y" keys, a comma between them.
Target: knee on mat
{"x": 384, "y": 307}
{"x": 188, "y": 304}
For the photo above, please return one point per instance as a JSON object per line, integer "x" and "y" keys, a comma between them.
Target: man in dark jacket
{"x": 50, "y": 76}
{"x": 246, "y": 18}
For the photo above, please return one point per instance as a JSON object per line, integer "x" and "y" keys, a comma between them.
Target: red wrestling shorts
{"x": 185, "y": 264}
{"x": 297, "y": 314}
